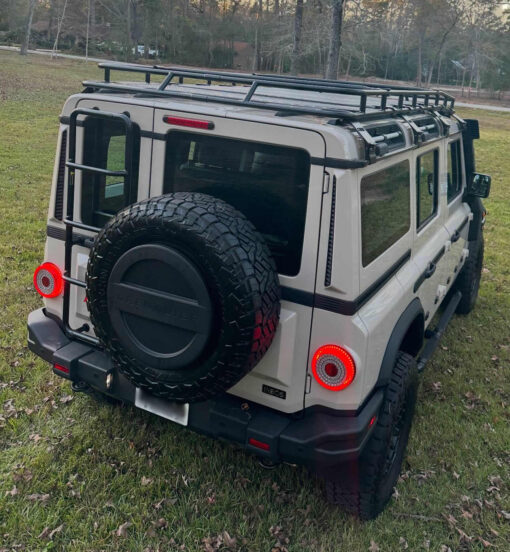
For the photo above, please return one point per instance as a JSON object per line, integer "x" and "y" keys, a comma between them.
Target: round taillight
{"x": 48, "y": 280}
{"x": 333, "y": 367}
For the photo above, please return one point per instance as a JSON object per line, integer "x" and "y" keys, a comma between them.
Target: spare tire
{"x": 184, "y": 295}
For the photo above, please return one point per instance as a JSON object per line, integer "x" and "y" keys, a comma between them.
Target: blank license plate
{"x": 176, "y": 412}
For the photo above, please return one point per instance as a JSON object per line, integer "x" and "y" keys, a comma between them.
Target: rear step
{"x": 434, "y": 336}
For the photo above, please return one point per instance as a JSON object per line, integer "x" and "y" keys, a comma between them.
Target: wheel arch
{"x": 407, "y": 336}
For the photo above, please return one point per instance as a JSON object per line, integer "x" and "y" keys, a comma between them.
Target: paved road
{"x": 482, "y": 106}
{"x": 94, "y": 59}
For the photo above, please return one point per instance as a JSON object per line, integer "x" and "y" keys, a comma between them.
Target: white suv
{"x": 259, "y": 257}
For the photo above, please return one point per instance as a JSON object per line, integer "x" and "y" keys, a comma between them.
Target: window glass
{"x": 454, "y": 170}
{"x": 267, "y": 183}
{"x": 385, "y": 209}
{"x": 426, "y": 186}
{"x": 104, "y": 147}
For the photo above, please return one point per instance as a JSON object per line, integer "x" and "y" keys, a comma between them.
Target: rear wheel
{"x": 364, "y": 488}
{"x": 468, "y": 282}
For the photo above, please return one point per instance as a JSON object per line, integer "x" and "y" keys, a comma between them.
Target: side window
{"x": 385, "y": 209}
{"x": 105, "y": 148}
{"x": 454, "y": 170}
{"x": 267, "y": 183}
{"x": 426, "y": 187}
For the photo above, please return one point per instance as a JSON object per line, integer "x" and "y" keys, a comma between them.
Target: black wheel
{"x": 468, "y": 281}
{"x": 364, "y": 488}
{"x": 184, "y": 295}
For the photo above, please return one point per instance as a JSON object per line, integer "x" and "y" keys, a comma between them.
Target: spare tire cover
{"x": 184, "y": 295}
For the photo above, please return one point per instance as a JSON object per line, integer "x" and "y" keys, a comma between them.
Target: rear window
{"x": 385, "y": 209}
{"x": 104, "y": 147}
{"x": 267, "y": 183}
{"x": 454, "y": 170}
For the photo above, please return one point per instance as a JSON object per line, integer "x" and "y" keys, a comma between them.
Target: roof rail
{"x": 370, "y": 99}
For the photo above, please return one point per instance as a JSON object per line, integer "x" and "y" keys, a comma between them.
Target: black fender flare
{"x": 407, "y": 318}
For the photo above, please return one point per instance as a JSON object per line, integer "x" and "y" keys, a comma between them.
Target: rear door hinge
{"x": 325, "y": 183}
{"x": 308, "y": 384}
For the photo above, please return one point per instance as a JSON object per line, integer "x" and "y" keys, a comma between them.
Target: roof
{"x": 288, "y": 96}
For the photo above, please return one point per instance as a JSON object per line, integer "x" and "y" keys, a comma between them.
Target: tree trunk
{"x": 258, "y": 46}
{"x": 296, "y": 48}
{"x": 335, "y": 39}
{"x": 59, "y": 26}
{"x": 24, "y": 47}
{"x": 419, "y": 63}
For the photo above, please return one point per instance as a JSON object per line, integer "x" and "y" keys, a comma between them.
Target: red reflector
{"x": 192, "y": 123}
{"x": 333, "y": 367}
{"x": 259, "y": 444}
{"x": 372, "y": 421}
{"x": 61, "y": 368}
{"x": 48, "y": 280}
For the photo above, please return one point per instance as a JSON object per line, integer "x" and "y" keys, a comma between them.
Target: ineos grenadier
{"x": 260, "y": 258}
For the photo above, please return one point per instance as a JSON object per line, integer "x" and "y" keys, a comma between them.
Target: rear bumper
{"x": 317, "y": 439}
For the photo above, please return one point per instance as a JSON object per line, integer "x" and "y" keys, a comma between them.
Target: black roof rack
{"x": 345, "y": 100}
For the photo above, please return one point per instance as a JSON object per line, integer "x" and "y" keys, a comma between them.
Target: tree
{"x": 335, "y": 39}
{"x": 28, "y": 29}
{"x": 296, "y": 48}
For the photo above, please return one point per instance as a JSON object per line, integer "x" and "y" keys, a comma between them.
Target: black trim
{"x": 333, "y": 163}
{"x": 429, "y": 271}
{"x": 413, "y": 311}
{"x": 316, "y": 439}
{"x": 331, "y": 236}
{"x": 59, "y": 191}
{"x": 56, "y": 233}
{"x": 461, "y": 227}
{"x": 152, "y": 135}
{"x": 340, "y": 306}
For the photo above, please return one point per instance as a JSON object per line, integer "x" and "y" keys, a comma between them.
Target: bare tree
{"x": 335, "y": 39}
{"x": 296, "y": 48}
{"x": 28, "y": 29}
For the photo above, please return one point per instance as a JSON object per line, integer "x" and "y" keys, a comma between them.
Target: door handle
{"x": 455, "y": 236}
{"x": 430, "y": 270}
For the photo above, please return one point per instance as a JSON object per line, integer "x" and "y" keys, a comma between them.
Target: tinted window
{"x": 385, "y": 209}
{"x": 104, "y": 147}
{"x": 268, "y": 184}
{"x": 426, "y": 186}
{"x": 454, "y": 170}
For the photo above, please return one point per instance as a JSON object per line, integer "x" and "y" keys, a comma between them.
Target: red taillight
{"x": 61, "y": 368}
{"x": 48, "y": 280}
{"x": 192, "y": 123}
{"x": 333, "y": 367}
{"x": 259, "y": 444}
{"x": 372, "y": 421}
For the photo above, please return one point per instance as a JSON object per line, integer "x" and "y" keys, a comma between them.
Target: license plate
{"x": 176, "y": 412}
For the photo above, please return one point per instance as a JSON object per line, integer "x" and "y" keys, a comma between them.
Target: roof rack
{"x": 345, "y": 100}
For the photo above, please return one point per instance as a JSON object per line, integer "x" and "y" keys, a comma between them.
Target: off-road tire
{"x": 468, "y": 281}
{"x": 237, "y": 268}
{"x": 363, "y": 488}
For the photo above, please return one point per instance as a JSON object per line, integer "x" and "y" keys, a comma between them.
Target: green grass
{"x": 92, "y": 460}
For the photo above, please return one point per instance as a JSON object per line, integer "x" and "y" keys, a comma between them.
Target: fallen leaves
{"x": 122, "y": 529}
{"x": 13, "y": 492}
{"x": 47, "y": 534}
{"x": 36, "y": 497}
{"x": 374, "y": 547}
{"x": 223, "y": 540}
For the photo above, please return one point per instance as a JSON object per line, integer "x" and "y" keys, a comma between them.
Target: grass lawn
{"x": 80, "y": 476}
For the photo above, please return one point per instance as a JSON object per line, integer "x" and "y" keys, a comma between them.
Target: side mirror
{"x": 480, "y": 185}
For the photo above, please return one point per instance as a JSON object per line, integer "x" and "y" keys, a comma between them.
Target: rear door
{"x": 104, "y": 144}
{"x": 457, "y": 213}
{"x": 267, "y": 172}
{"x": 431, "y": 238}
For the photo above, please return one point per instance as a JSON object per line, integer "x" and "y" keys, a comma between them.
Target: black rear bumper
{"x": 317, "y": 439}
